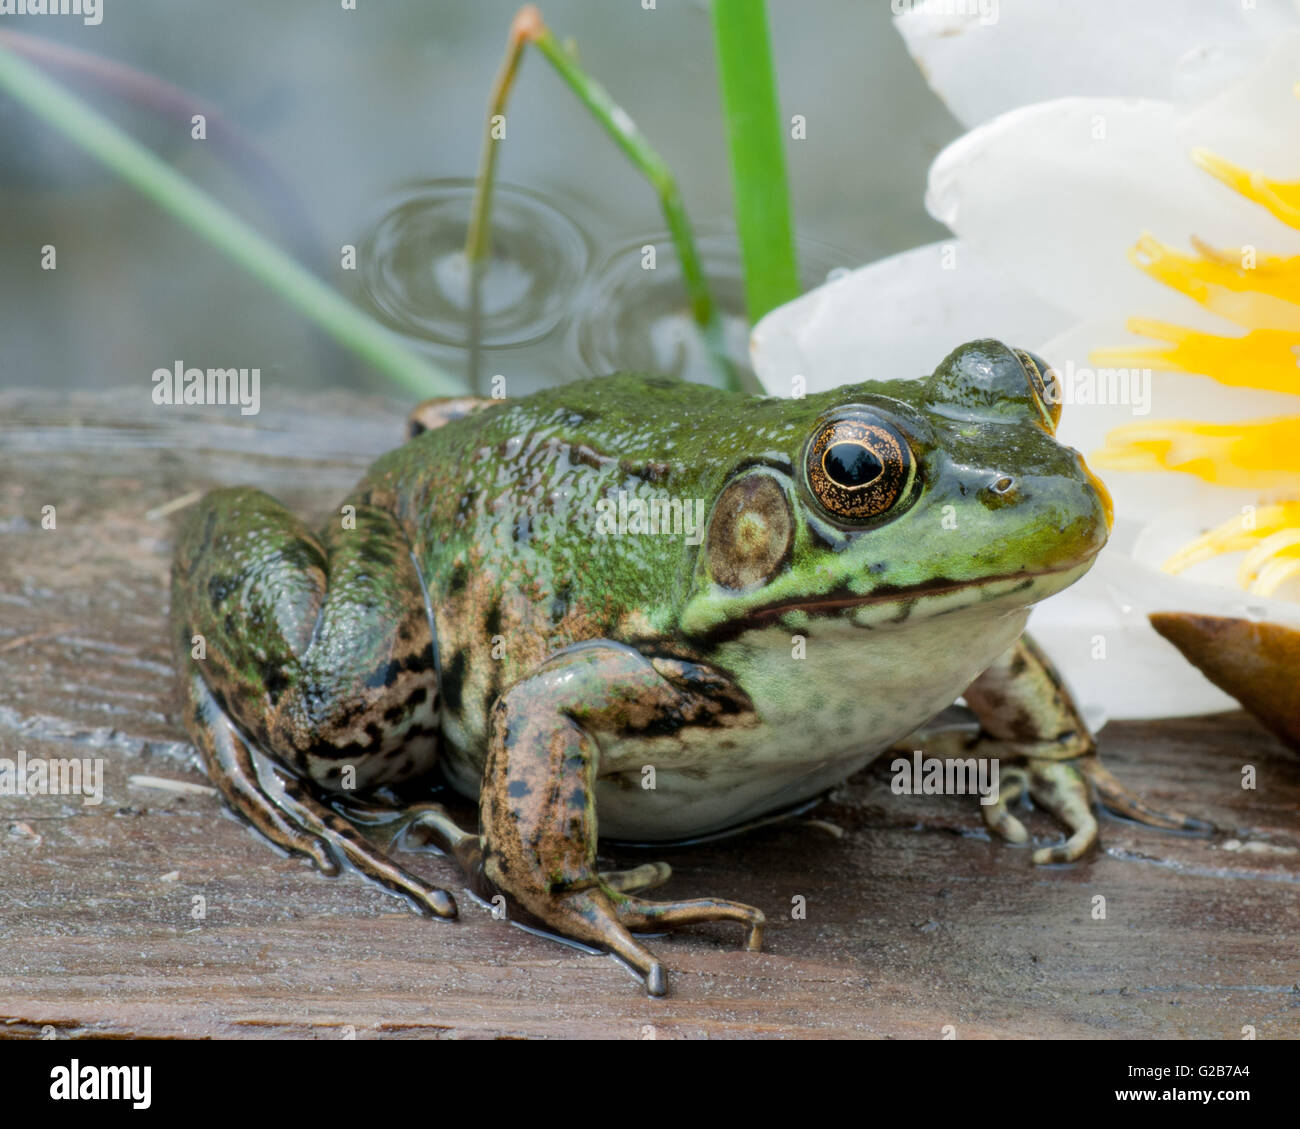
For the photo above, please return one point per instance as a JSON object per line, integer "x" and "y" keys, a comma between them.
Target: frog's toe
{"x": 1118, "y": 799}
{"x": 637, "y": 913}
{"x": 997, "y": 815}
{"x": 1061, "y": 788}
{"x": 344, "y": 839}
{"x": 591, "y": 915}
{"x": 645, "y": 877}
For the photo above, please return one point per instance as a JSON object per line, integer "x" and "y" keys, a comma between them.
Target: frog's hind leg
{"x": 294, "y": 819}
{"x": 1120, "y": 800}
{"x": 229, "y": 765}
{"x": 1063, "y": 791}
{"x": 1028, "y": 720}
{"x": 313, "y": 656}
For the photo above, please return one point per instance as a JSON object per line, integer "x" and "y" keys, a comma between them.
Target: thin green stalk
{"x": 477, "y": 239}
{"x": 639, "y": 151}
{"x": 529, "y": 27}
{"x": 192, "y": 206}
{"x": 756, "y": 142}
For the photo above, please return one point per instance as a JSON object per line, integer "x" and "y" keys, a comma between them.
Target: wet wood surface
{"x": 912, "y": 920}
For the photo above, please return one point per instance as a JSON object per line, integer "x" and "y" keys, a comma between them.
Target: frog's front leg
{"x": 315, "y": 656}
{"x": 537, "y": 807}
{"x": 1028, "y": 718}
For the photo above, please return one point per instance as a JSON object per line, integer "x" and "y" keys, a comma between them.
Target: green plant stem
{"x": 477, "y": 239}
{"x": 528, "y": 27}
{"x": 638, "y": 150}
{"x": 755, "y": 140}
{"x": 192, "y": 206}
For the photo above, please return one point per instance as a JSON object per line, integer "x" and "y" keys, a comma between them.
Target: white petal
{"x": 984, "y": 58}
{"x": 1097, "y": 634}
{"x": 1058, "y": 193}
{"x": 895, "y": 317}
{"x": 1209, "y": 587}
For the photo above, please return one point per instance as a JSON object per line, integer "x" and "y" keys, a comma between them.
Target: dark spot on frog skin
{"x": 457, "y": 580}
{"x": 385, "y": 674}
{"x": 997, "y": 700}
{"x": 518, "y": 789}
{"x": 1023, "y": 726}
{"x": 420, "y": 662}
{"x": 378, "y": 554}
{"x": 1018, "y": 665}
{"x": 578, "y": 798}
{"x": 492, "y": 623}
{"x": 586, "y": 456}
{"x": 560, "y": 602}
{"x": 523, "y": 530}
{"x": 653, "y": 472}
{"x": 453, "y": 678}
{"x": 219, "y": 588}
{"x": 274, "y": 680}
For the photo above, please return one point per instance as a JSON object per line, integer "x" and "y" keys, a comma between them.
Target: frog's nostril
{"x": 999, "y": 492}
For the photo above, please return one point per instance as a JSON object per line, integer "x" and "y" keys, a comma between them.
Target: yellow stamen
{"x": 1273, "y": 554}
{"x": 1274, "y": 575}
{"x": 1253, "y": 291}
{"x": 1262, "y": 295}
{"x": 1259, "y": 453}
{"x": 1237, "y": 534}
{"x": 1263, "y": 358}
{"x": 1281, "y": 198}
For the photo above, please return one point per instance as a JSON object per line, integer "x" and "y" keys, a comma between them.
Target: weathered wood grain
{"x": 914, "y": 919}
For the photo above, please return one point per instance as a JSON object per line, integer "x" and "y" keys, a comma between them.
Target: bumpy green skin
{"x": 477, "y": 615}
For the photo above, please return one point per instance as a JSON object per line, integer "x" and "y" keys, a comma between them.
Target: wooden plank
{"x": 914, "y": 919}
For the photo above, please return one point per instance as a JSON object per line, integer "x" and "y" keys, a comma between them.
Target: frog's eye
{"x": 988, "y": 381}
{"x": 858, "y": 467}
{"x": 1045, "y": 383}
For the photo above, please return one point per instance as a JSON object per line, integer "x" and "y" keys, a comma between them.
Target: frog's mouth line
{"x": 907, "y": 597}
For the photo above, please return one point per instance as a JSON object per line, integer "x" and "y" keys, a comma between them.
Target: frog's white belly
{"x": 856, "y": 691}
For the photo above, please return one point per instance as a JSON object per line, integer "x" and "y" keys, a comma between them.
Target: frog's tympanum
{"x": 521, "y": 599}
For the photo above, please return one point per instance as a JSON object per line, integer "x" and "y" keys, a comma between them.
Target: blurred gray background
{"x": 351, "y": 104}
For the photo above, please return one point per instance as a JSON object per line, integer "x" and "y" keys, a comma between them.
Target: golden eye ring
{"x": 1046, "y": 385}
{"x": 858, "y": 467}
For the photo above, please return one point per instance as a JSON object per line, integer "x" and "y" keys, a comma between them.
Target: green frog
{"x": 649, "y": 609}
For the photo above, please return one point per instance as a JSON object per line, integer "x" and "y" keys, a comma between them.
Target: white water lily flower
{"x": 984, "y": 57}
{"x": 1080, "y": 212}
